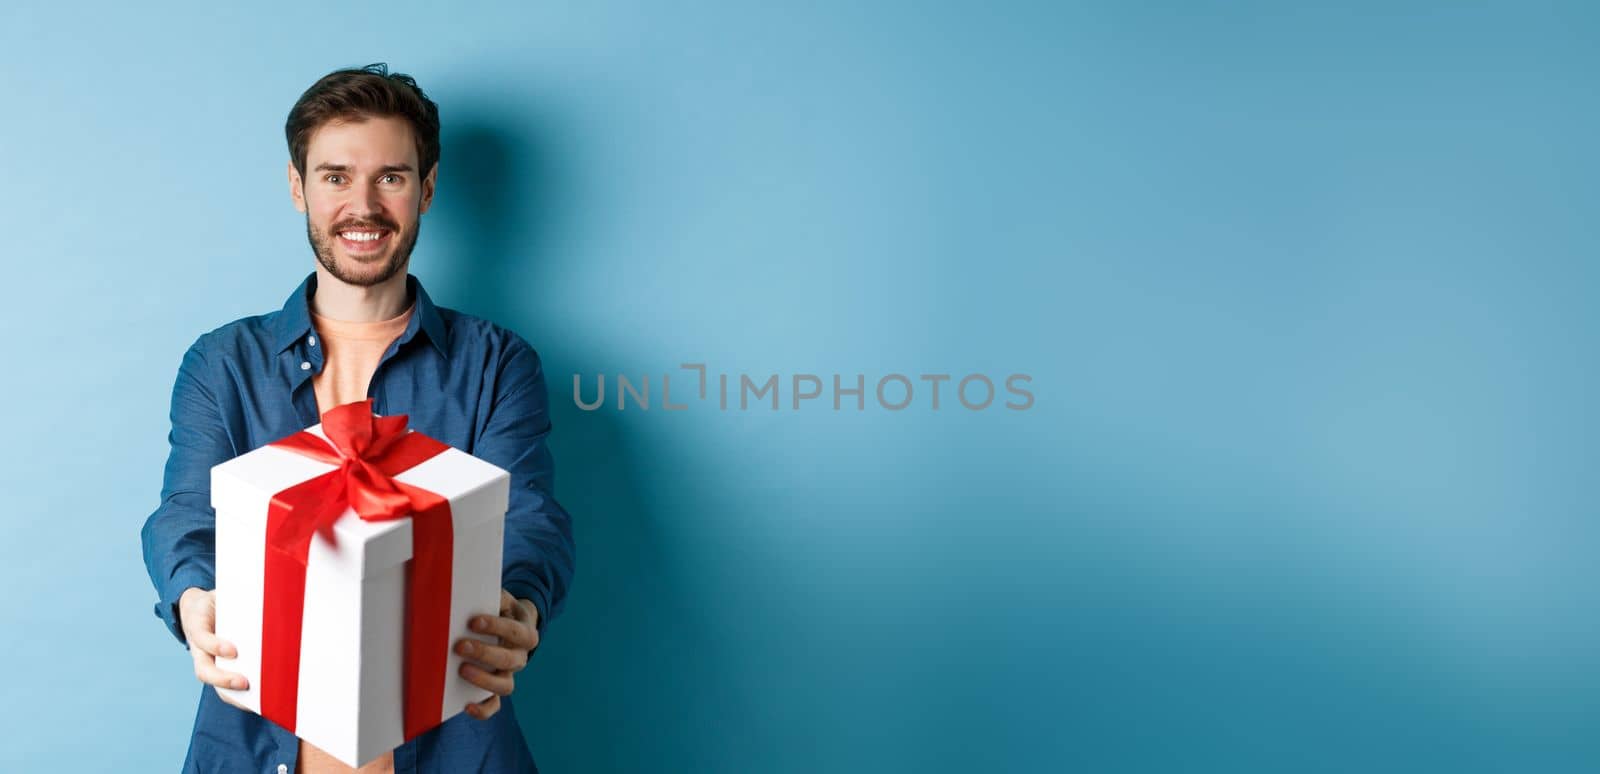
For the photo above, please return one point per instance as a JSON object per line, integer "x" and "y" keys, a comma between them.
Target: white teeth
{"x": 360, "y": 236}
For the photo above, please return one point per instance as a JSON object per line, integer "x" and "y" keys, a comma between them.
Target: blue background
{"x": 1305, "y": 292}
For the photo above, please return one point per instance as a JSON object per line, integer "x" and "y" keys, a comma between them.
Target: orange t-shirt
{"x": 351, "y": 352}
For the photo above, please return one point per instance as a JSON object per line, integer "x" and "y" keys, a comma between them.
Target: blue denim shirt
{"x": 462, "y": 380}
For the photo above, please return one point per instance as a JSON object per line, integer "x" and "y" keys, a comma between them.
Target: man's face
{"x": 363, "y": 197}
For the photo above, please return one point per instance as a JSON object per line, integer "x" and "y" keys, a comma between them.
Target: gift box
{"x": 350, "y": 557}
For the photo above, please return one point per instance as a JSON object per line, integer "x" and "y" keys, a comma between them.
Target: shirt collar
{"x": 294, "y": 321}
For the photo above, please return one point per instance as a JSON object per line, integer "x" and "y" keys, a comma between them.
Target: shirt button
{"x": 283, "y": 768}
{"x": 305, "y": 366}
{"x": 312, "y": 340}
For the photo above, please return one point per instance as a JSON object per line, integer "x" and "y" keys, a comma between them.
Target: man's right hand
{"x": 197, "y": 611}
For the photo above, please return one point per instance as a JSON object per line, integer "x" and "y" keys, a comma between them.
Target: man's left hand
{"x": 495, "y": 666}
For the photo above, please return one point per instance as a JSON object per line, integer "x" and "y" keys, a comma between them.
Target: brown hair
{"x": 358, "y": 94}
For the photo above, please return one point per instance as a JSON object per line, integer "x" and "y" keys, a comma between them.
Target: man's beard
{"x": 322, "y": 246}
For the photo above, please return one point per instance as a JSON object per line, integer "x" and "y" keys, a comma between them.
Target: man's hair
{"x": 357, "y": 94}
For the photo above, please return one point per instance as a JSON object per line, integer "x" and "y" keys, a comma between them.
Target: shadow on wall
{"x": 1129, "y": 651}
{"x": 627, "y": 675}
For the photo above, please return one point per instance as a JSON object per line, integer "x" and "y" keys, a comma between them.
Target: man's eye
{"x": 391, "y": 178}
{"x": 335, "y": 179}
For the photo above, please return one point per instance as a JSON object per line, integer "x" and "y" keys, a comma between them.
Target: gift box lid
{"x": 478, "y": 491}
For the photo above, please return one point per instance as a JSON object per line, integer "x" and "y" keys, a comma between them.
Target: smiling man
{"x": 363, "y": 159}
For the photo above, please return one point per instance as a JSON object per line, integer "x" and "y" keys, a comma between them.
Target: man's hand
{"x": 495, "y": 666}
{"x": 197, "y": 611}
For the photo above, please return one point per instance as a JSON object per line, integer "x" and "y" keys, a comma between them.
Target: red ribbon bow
{"x": 369, "y": 451}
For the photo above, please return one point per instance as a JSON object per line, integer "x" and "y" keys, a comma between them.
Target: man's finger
{"x": 203, "y": 641}
{"x": 497, "y": 683}
{"x": 529, "y": 615}
{"x": 207, "y": 671}
{"x": 512, "y": 632}
{"x": 212, "y": 645}
{"x": 484, "y": 709}
{"x": 216, "y": 646}
{"x": 492, "y": 656}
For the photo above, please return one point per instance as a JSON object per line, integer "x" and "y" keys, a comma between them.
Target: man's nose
{"x": 367, "y": 202}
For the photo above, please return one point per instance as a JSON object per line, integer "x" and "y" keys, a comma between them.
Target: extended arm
{"x": 180, "y": 536}
{"x": 539, "y": 555}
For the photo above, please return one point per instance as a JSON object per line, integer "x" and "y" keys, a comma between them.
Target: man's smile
{"x": 364, "y": 240}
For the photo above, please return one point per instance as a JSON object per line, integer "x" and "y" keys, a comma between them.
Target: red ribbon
{"x": 369, "y": 451}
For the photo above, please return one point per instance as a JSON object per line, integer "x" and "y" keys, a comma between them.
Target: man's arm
{"x": 180, "y": 536}
{"x": 539, "y": 554}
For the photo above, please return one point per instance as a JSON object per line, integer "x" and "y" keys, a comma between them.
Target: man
{"x": 363, "y": 147}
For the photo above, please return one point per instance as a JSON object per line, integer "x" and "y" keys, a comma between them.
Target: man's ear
{"x": 427, "y": 188}
{"x": 296, "y": 188}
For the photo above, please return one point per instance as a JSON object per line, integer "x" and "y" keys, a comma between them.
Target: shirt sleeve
{"x": 539, "y": 555}
{"x": 180, "y": 536}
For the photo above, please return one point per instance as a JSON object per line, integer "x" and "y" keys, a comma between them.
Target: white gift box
{"x": 351, "y": 677}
